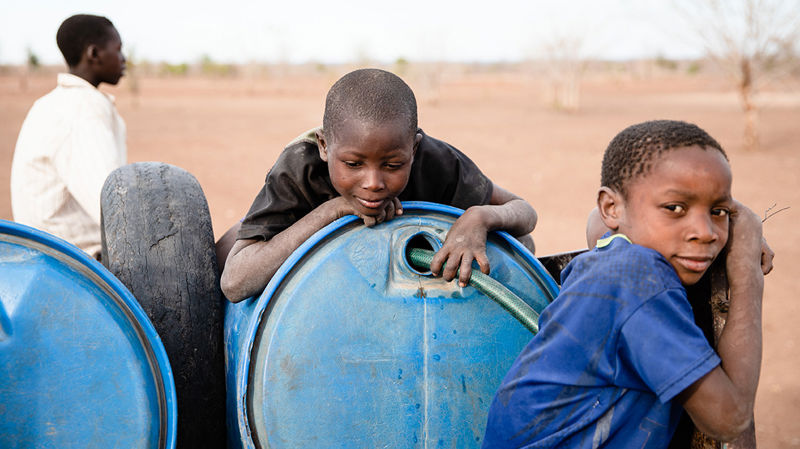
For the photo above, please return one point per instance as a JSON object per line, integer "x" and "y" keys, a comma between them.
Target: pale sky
{"x": 333, "y": 31}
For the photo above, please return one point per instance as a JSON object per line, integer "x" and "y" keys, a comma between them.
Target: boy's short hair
{"x": 370, "y": 95}
{"x": 632, "y": 152}
{"x": 81, "y": 30}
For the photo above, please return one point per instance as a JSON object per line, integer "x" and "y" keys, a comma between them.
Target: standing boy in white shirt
{"x": 72, "y": 138}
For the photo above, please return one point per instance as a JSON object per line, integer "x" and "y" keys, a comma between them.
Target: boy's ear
{"x": 322, "y": 145}
{"x": 91, "y": 53}
{"x": 611, "y": 206}
{"x": 417, "y": 140}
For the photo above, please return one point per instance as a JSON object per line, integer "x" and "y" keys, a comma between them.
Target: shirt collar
{"x": 70, "y": 80}
{"x": 607, "y": 239}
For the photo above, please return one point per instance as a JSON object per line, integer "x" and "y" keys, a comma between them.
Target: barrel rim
{"x": 77, "y": 259}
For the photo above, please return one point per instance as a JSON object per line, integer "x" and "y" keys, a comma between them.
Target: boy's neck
{"x": 83, "y": 72}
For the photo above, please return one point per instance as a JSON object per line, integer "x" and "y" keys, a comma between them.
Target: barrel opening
{"x": 421, "y": 240}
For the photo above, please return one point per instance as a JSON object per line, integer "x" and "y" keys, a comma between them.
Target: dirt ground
{"x": 228, "y": 132}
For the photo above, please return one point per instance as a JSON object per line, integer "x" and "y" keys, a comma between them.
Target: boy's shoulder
{"x": 74, "y": 99}
{"x": 301, "y": 162}
{"x": 305, "y": 139}
{"x": 617, "y": 264}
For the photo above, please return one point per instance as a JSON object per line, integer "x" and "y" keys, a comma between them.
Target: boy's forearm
{"x": 516, "y": 217}
{"x": 739, "y": 345}
{"x": 740, "y": 342}
{"x": 721, "y": 403}
{"x": 250, "y": 267}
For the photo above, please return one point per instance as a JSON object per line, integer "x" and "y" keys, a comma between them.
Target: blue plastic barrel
{"x": 350, "y": 346}
{"x": 80, "y": 364}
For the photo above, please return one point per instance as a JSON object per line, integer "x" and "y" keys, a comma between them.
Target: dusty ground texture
{"x": 228, "y": 132}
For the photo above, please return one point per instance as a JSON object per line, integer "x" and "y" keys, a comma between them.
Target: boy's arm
{"x": 251, "y": 263}
{"x": 721, "y": 403}
{"x": 466, "y": 240}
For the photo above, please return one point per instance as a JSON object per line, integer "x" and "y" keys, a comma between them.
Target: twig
{"x": 769, "y": 214}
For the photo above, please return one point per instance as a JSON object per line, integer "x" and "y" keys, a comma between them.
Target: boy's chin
{"x": 689, "y": 279}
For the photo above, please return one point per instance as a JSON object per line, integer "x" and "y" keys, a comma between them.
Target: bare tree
{"x": 564, "y": 65}
{"x": 754, "y": 41}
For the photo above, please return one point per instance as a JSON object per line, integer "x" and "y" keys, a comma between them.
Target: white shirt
{"x": 70, "y": 141}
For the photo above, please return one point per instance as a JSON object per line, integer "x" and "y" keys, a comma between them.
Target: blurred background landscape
{"x": 202, "y": 94}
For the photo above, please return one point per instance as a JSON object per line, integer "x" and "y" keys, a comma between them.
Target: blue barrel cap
{"x": 351, "y": 346}
{"x": 80, "y": 363}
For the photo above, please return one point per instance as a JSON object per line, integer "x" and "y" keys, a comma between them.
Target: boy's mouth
{"x": 695, "y": 264}
{"x": 371, "y": 204}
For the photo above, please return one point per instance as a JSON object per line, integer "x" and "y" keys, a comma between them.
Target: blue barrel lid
{"x": 351, "y": 346}
{"x": 80, "y": 363}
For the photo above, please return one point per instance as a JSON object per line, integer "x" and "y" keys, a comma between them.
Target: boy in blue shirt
{"x": 619, "y": 355}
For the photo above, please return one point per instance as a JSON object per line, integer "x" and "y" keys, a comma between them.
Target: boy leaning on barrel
{"x": 368, "y": 156}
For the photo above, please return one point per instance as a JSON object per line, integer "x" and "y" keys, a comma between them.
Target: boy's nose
{"x": 373, "y": 180}
{"x": 703, "y": 229}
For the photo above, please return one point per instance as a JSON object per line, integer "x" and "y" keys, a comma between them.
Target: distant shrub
{"x": 694, "y": 68}
{"x": 174, "y": 69}
{"x": 665, "y": 63}
{"x": 401, "y": 65}
{"x": 209, "y": 67}
{"x": 33, "y": 60}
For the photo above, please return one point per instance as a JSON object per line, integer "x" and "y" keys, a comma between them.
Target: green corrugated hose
{"x": 518, "y": 308}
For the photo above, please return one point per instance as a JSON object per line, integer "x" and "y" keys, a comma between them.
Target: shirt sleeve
{"x": 295, "y": 185}
{"x": 661, "y": 343}
{"x": 90, "y": 157}
{"x": 443, "y": 174}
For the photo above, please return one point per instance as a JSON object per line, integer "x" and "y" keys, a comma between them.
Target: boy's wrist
{"x": 335, "y": 208}
{"x": 478, "y": 217}
{"x": 745, "y": 275}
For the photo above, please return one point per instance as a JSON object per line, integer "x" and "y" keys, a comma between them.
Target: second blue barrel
{"x": 351, "y": 346}
{"x": 80, "y": 363}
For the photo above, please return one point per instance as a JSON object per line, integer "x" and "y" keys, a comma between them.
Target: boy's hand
{"x": 747, "y": 249}
{"x": 392, "y": 209}
{"x": 465, "y": 242}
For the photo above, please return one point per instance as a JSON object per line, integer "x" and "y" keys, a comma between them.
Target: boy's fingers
{"x": 451, "y": 267}
{"x": 465, "y": 271}
{"x": 370, "y": 221}
{"x": 766, "y": 256}
{"x": 398, "y": 207}
{"x": 483, "y": 262}
{"x": 390, "y": 211}
{"x": 436, "y": 263}
{"x": 380, "y": 218}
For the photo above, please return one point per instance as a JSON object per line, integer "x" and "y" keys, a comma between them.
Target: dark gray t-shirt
{"x": 299, "y": 182}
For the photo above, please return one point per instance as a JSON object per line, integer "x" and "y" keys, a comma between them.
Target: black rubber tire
{"x": 157, "y": 239}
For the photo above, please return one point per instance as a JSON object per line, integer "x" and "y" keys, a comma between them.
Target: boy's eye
{"x": 677, "y": 208}
{"x": 352, "y": 164}
{"x": 720, "y": 212}
{"x": 394, "y": 165}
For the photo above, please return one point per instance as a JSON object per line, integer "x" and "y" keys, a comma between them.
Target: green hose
{"x": 518, "y": 308}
